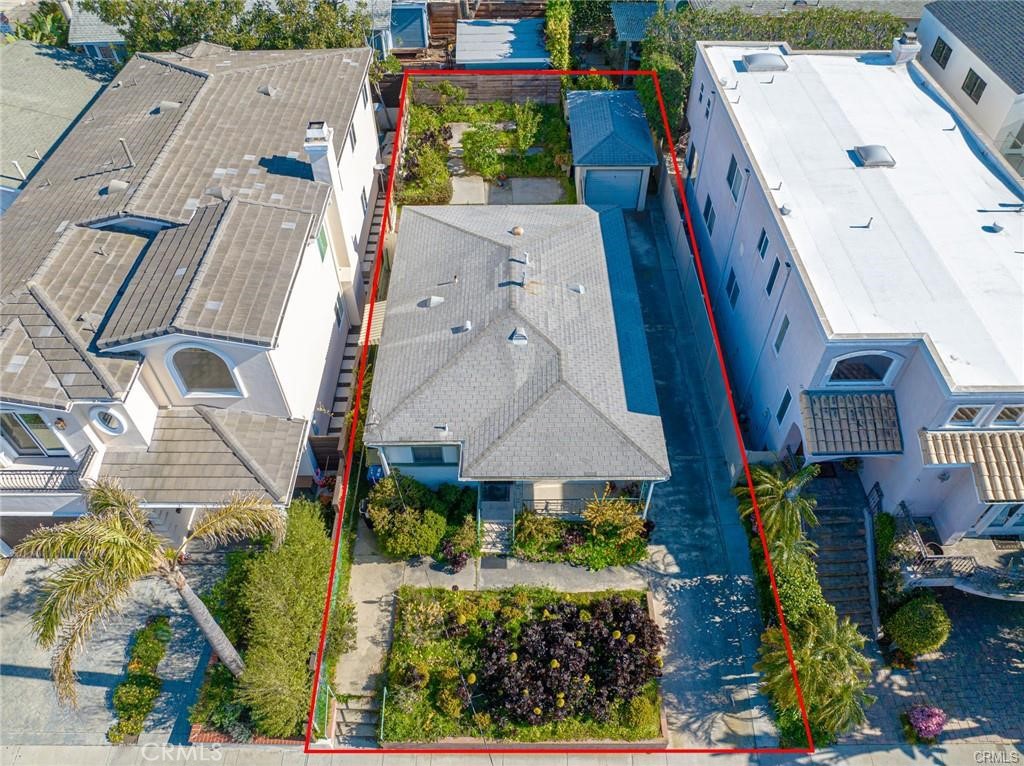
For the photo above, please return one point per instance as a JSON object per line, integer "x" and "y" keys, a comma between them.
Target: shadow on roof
{"x": 287, "y": 166}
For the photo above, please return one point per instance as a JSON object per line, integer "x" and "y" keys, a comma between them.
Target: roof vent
{"x": 219, "y": 192}
{"x": 442, "y": 427}
{"x": 765, "y": 62}
{"x": 117, "y": 185}
{"x": 166, "y": 106}
{"x": 518, "y": 337}
{"x": 268, "y": 90}
{"x": 874, "y": 156}
{"x": 430, "y": 302}
{"x": 904, "y": 48}
{"x": 517, "y": 231}
{"x": 464, "y": 327}
{"x": 578, "y": 288}
{"x": 785, "y": 209}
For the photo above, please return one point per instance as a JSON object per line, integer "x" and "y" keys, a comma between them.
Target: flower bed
{"x": 523, "y": 665}
{"x": 135, "y": 697}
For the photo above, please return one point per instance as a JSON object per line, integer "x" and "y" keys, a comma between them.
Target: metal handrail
{"x": 53, "y": 479}
{"x": 383, "y": 706}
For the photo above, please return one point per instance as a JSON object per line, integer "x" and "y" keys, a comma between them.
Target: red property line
{"x": 729, "y": 396}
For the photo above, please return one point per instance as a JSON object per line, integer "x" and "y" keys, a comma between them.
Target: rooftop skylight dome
{"x": 765, "y": 61}
{"x": 874, "y": 156}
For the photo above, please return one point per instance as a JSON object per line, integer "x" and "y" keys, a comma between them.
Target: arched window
{"x": 862, "y": 368}
{"x": 201, "y": 372}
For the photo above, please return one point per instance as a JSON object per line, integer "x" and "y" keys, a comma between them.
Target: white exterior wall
{"x": 760, "y": 376}
{"x": 400, "y": 457}
{"x": 357, "y": 175}
{"x": 992, "y": 112}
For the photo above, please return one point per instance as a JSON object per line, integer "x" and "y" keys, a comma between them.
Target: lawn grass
{"x": 417, "y": 712}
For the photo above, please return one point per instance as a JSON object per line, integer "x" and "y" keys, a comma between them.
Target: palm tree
{"x": 784, "y": 508}
{"x": 113, "y": 547}
{"x": 833, "y": 672}
{"x": 46, "y": 25}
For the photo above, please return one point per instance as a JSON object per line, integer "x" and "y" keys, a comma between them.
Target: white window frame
{"x": 95, "y": 419}
{"x": 890, "y": 375}
{"x": 983, "y": 412}
{"x": 709, "y": 215}
{"x": 997, "y": 410}
{"x": 45, "y": 453}
{"x": 172, "y": 368}
{"x": 763, "y": 241}
{"x": 352, "y": 136}
{"x": 733, "y": 178}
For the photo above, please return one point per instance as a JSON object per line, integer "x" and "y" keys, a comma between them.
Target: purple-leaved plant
{"x": 927, "y": 721}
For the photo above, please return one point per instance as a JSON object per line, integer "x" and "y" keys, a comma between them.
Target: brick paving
{"x": 977, "y": 677}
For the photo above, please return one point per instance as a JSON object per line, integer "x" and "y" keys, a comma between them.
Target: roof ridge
{"x": 174, "y": 65}
{"x": 314, "y": 54}
{"x": 218, "y": 233}
{"x": 71, "y": 336}
{"x": 450, "y": 225}
{"x": 209, "y": 414}
{"x": 6, "y": 335}
{"x": 614, "y": 425}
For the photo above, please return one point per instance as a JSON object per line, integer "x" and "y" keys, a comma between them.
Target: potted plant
{"x": 853, "y": 464}
{"x": 922, "y": 724}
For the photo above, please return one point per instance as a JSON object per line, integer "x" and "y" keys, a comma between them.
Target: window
{"x": 707, "y": 109}
{"x": 30, "y": 436}
{"x": 965, "y": 416}
{"x": 974, "y": 86}
{"x": 762, "y": 244}
{"x": 352, "y": 136}
{"x": 107, "y": 421}
{"x": 1009, "y": 416}
{"x": 774, "y": 275}
{"x": 783, "y": 407}
{"x": 363, "y": 199}
{"x": 106, "y": 53}
{"x": 709, "y": 215}
{"x": 863, "y": 368}
{"x": 732, "y": 289}
{"x": 691, "y": 160}
{"x": 201, "y": 372}
{"x": 700, "y": 96}
{"x": 941, "y": 52}
{"x": 339, "y": 311}
{"x": 428, "y": 455}
{"x": 733, "y": 178}
{"x": 366, "y": 94}
{"x": 321, "y": 242}
{"x": 781, "y": 336}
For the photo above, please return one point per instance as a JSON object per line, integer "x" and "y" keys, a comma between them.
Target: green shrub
{"x": 615, "y": 518}
{"x": 535, "y": 534}
{"x": 284, "y": 596}
{"x": 407, "y": 516}
{"x": 431, "y": 183}
{"x": 422, "y": 119}
{"x": 799, "y": 590}
{"x": 920, "y": 626}
{"x": 885, "y": 537}
{"x": 458, "y": 502}
{"x": 222, "y": 598}
{"x": 480, "y": 151}
{"x": 341, "y": 632}
{"x": 595, "y": 81}
{"x": 135, "y": 697}
{"x": 528, "y": 119}
{"x": 558, "y": 17}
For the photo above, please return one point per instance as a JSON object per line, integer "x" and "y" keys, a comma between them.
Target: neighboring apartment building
{"x": 975, "y": 50}
{"x": 178, "y": 280}
{"x": 863, "y": 258}
{"x": 43, "y": 90}
{"x": 513, "y": 360}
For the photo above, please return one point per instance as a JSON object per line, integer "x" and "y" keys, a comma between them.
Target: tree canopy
{"x": 162, "y": 25}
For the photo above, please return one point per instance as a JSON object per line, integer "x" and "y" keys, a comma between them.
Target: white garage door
{"x": 613, "y": 187}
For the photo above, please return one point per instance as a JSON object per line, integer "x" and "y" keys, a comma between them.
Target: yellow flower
{"x": 536, "y": 711}
{"x": 554, "y": 664}
{"x": 513, "y": 657}
{"x": 560, "y": 702}
{"x": 616, "y": 634}
{"x": 471, "y": 678}
{"x": 461, "y": 619}
{"x": 630, "y": 638}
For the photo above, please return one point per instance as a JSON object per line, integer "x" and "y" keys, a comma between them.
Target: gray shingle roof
{"x": 992, "y": 29}
{"x": 631, "y": 20}
{"x": 188, "y": 120}
{"x": 42, "y": 91}
{"x": 609, "y": 127}
{"x": 576, "y": 400}
{"x": 851, "y": 423}
{"x": 904, "y": 9}
{"x": 87, "y": 27}
{"x": 202, "y": 455}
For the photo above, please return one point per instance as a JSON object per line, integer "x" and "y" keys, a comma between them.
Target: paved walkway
{"x": 29, "y": 713}
{"x": 977, "y": 677}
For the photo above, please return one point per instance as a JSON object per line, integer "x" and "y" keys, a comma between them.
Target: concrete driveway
{"x": 700, "y": 571}
{"x": 29, "y": 713}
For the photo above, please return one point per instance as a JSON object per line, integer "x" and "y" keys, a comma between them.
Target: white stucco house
{"x": 612, "y": 149}
{"x": 863, "y": 261}
{"x": 974, "y": 49}
{"x": 179, "y": 278}
{"x": 513, "y": 359}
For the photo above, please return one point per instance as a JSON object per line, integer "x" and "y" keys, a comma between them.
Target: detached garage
{"x": 612, "y": 150}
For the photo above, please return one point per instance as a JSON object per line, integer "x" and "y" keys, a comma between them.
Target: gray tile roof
{"x": 992, "y": 29}
{"x": 87, "y": 27}
{"x": 576, "y": 400}
{"x": 202, "y": 455}
{"x": 904, "y": 9}
{"x": 631, "y": 20}
{"x": 42, "y": 91}
{"x": 189, "y": 121}
{"x": 851, "y": 423}
{"x": 609, "y": 127}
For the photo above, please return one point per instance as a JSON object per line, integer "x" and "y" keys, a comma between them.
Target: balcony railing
{"x": 566, "y": 507}
{"x": 921, "y": 563}
{"x": 56, "y": 479}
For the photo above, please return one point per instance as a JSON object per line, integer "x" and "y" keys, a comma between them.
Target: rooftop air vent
{"x": 578, "y": 288}
{"x": 430, "y": 302}
{"x": 219, "y": 192}
{"x": 268, "y": 90}
{"x": 785, "y": 209}
{"x": 518, "y": 337}
{"x": 464, "y": 327}
{"x": 117, "y": 185}
{"x": 166, "y": 106}
{"x": 765, "y": 62}
{"x": 517, "y": 231}
{"x": 874, "y": 156}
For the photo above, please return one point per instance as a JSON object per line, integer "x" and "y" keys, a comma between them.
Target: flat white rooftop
{"x": 930, "y": 263}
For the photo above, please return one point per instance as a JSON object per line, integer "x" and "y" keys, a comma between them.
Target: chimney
{"x": 904, "y": 48}
{"x": 319, "y": 147}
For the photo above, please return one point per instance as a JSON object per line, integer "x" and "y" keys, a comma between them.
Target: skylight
{"x": 874, "y": 156}
{"x": 765, "y": 62}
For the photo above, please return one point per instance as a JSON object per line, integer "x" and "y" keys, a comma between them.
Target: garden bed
{"x": 523, "y": 665}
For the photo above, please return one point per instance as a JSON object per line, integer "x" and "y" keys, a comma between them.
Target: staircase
{"x": 496, "y": 521}
{"x": 357, "y": 722}
{"x": 841, "y": 537}
{"x": 346, "y": 379}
